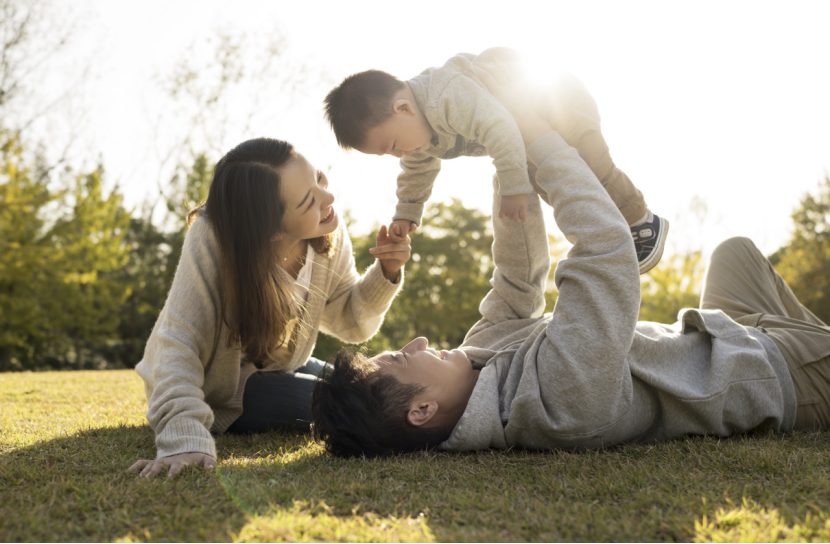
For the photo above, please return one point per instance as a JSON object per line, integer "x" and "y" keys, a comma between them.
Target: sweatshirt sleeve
{"x": 582, "y": 360}
{"x": 357, "y": 304}
{"x": 418, "y": 173}
{"x": 177, "y": 351}
{"x": 465, "y": 108}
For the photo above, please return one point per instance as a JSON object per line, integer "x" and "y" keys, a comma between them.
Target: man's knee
{"x": 731, "y": 247}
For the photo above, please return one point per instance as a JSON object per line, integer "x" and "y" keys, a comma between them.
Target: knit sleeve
{"x": 179, "y": 348}
{"x": 418, "y": 173}
{"x": 356, "y": 304}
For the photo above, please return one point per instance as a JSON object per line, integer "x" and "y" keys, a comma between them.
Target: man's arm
{"x": 581, "y": 362}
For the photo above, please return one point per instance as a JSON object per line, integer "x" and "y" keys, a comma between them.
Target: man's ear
{"x": 420, "y": 412}
{"x": 403, "y": 105}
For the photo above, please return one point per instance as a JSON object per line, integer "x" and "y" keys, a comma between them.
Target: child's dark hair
{"x": 357, "y": 411}
{"x": 360, "y": 103}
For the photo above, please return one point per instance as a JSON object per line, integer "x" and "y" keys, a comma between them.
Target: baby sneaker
{"x": 649, "y": 241}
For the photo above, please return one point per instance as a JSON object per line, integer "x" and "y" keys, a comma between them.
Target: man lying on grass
{"x": 588, "y": 375}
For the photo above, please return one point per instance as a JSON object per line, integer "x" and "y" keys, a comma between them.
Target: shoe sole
{"x": 652, "y": 261}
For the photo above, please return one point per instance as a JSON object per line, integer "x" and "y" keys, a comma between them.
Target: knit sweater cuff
{"x": 544, "y": 146}
{"x": 378, "y": 290}
{"x": 184, "y": 436}
{"x": 514, "y": 182}
{"x": 411, "y": 211}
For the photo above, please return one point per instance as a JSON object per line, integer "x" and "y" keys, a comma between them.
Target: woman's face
{"x": 308, "y": 204}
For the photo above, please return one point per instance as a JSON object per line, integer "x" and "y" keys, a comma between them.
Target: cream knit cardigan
{"x": 194, "y": 382}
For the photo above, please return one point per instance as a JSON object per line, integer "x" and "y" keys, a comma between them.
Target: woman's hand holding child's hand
{"x": 399, "y": 229}
{"x": 175, "y": 462}
{"x": 393, "y": 250}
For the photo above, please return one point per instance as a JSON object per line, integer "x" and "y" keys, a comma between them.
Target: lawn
{"x": 66, "y": 440}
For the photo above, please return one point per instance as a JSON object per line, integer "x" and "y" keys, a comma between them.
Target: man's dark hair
{"x": 357, "y": 411}
{"x": 360, "y": 103}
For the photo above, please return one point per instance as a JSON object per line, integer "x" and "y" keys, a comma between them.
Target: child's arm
{"x": 418, "y": 173}
{"x": 468, "y": 110}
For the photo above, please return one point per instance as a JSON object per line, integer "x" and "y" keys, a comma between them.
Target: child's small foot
{"x": 649, "y": 241}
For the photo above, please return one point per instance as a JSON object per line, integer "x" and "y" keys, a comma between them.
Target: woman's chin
{"x": 330, "y": 224}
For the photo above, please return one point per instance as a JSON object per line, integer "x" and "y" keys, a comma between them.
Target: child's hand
{"x": 392, "y": 255}
{"x": 400, "y": 229}
{"x": 513, "y": 207}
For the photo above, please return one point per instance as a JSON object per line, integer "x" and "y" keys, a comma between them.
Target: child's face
{"x": 403, "y": 134}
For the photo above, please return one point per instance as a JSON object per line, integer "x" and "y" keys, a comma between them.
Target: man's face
{"x": 447, "y": 375}
{"x": 403, "y": 134}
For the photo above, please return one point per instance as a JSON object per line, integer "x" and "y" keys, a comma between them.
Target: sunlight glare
{"x": 540, "y": 68}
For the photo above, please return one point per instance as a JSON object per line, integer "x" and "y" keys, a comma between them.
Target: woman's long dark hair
{"x": 245, "y": 209}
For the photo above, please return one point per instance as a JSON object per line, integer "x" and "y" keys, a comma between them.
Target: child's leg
{"x": 573, "y": 113}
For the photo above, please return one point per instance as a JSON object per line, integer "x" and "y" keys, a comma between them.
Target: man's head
{"x": 396, "y": 402}
{"x": 376, "y": 113}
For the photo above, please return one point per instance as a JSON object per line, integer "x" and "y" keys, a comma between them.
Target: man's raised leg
{"x": 741, "y": 282}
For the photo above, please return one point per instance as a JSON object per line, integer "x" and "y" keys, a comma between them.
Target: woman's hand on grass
{"x": 175, "y": 463}
{"x": 392, "y": 255}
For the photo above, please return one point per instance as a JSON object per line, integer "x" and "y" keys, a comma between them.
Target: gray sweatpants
{"x": 741, "y": 281}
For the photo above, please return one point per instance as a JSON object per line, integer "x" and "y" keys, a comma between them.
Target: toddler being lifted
{"x": 442, "y": 114}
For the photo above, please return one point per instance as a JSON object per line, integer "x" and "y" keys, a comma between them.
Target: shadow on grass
{"x": 755, "y": 486}
{"x": 77, "y": 488}
{"x": 280, "y": 486}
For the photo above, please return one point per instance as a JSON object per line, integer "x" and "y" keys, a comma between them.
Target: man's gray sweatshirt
{"x": 467, "y": 121}
{"x": 589, "y": 375}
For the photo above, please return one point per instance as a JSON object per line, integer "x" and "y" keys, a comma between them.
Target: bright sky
{"x": 722, "y": 103}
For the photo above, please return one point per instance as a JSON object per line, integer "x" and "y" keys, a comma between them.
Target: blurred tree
{"x": 86, "y": 303}
{"x": 446, "y": 278}
{"x": 153, "y": 256}
{"x": 559, "y": 248}
{"x": 27, "y": 263}
{"x": 43, "y": 116}
{"x": 672, "y": 285}
{"x": 804, "y": 262}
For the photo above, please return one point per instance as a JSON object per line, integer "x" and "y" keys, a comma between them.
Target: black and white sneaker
{"x": 649, "y": 241}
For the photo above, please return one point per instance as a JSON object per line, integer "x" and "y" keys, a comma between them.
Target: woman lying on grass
{"x": 588, "y": 375}
{"x": 266, "y": 264}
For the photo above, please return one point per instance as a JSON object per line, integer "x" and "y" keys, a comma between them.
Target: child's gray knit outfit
{"x": 589, "y": 375}
{"x": 195, "y": 382}
{"x": 468, "y": 122}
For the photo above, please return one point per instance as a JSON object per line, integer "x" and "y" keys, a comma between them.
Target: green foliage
{"x": 446, "y": 278}
{"x": 87, "y": 299}
{"x": 675, "y": 283}
{"x": 60, "y": 295}
{"x": 68, "y": 438}
{"x": 804, "y": 262}
{"x": 27, "y": 263}
{"x": 153, "y": 256}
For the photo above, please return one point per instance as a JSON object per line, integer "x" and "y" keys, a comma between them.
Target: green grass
{"x": 66, "y": 440}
